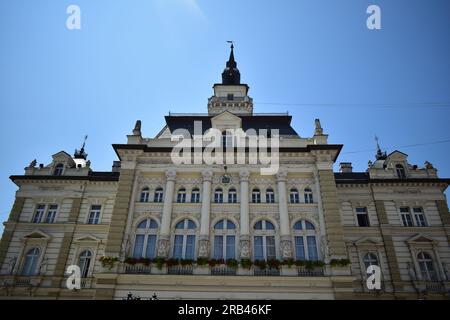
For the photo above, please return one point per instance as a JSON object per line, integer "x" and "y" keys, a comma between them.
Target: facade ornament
{"x": 171, "y": 175}
{"x": 12, "y": 264}
{"x": 428, "y": 165}
{"x": 281, "y": 175}
{"x": 370, "y": 164}
{"x": 207, "y": 175}
{"x": 324, "y": 247}
{"x": 203, "y": 248}
{"x": 43, "y": 267}
{"x": 88, "y": 164}
{"x": 32, "y": 164}
{"x": 446, "y": 268}
{"x": 137, "y": 128}
{"x": 318, "y": 130}
{"x": 163, "y": 248}
{"x": 412, "y": 273}
{"x": 244, "y": 249}
{"x": 244, "y": 175}
{"x": 286, "y": 252}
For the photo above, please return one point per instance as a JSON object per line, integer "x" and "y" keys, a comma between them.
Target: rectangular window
{"x": 178, "y": 247}
{"x": 94, "y": 214}
{"x": 190, "y": 247}
{"x": 218, "y": 247}
{"x": 406, "y": 217}
{"x": 420, "y": 217}
{"x": 51, "y": 213}
{"x": 256, "y": 197}
{"x": 195, "y": 198}
{"x": 362, "y": 216}
{"x": 230, "y": 97}
{"x": 259, "y": 251}
{"x": 299, "y": 248}
{"x": 151, "y": 245}
{"x": 138, "y": 246}
{"x": 230, "y": 247}
{"x": 270, "y": 247}
{"x": 40, "y": 209}
{"x": 312, "y": 247}
{"x": 270, "y": 197}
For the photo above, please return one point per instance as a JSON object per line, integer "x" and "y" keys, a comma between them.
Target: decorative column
{"x": 164, "y": 235}
{"x": 244, "y": 240}
{"x": 285, "y": 234}
{"x": 203, "y": 243}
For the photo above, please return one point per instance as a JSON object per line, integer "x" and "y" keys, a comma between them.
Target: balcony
{"x": 223, "y": 271}
{"x": 138, "y": 269}
{"x": 266, "y": 272}
{"x": 316, "y": 272}
{"x": 180, "y": 270}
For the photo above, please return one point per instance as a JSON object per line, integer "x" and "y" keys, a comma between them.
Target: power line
{"x": 380, "y": 105}
{"x": 404, "y": 146}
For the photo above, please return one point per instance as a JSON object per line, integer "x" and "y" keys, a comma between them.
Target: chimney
{"x": 345, "y": 167}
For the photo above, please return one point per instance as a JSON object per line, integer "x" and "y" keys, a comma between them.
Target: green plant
{"x": 288, "y": 262}
{"x": 232, "y": 263}
{"x": 186, "y": 262}
{"x": 214, "y": 262}
{"x": 108, "y": 261}
{"x": 144, "y": 261}
{"x": 131, "y": 260}
{"x": 246, "y": 263}
{"x": 273, "y": 263}
{"x": 159, "y": 262}
{"x": 172, "y": 262}
{"x": 262, "y": 264}
{"x": 300, "y": 263}
{"x": 339, "y": 262}
{"x": 202, "y": 261}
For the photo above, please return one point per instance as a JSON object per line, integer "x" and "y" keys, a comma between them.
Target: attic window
{"x": 400, "y": 171}
{"x": 58, "y": 169}
{"x": 230, "y": 97}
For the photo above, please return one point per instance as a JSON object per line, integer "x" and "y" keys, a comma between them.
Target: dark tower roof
{"x": 231, "y": 74}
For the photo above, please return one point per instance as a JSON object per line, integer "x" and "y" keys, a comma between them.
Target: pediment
{"x": 87, "y": 238}
{"x": 397, "y": 156}
{"x": 421, "y": 239}
{"x": 37, "y": 235}
{"x": 63, "y": 157}
{"x": 226, "y": 120}
{"x": 367, "y": 242}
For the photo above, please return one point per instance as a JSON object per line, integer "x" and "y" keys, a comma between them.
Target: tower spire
{"x": 231, "y": 74}
{"x": 380, "y": 155}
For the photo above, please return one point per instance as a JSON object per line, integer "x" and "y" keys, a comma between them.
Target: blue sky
{"x": 139, "y": 59}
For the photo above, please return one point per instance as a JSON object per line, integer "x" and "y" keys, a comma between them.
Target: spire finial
{"x": 80, "y": 154}
{"x": 380, "y": 155}
{"x": 231, "y": 73}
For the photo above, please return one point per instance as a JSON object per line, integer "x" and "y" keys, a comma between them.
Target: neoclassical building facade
{"x": 226, "y": 230}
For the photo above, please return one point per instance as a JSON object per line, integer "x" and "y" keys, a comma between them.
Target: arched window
{"x": 195, "y": 195}
{"x": 308, "y": 195}
{"x": 31, "y": 260}
{"x": 401, "y": 173}
{"x": 256, "y": 196}
{"x": 85, "y": 262}
{"x": 58, "y": 170}
{"x": 426, "y": 266}
{"x": 145, "y": 239}
{"x": 224, "y": 240}
{"x": 305, "y": 241}
{"x": 264, "y": 240}
{"x": 159, "y": 195}
{"x": 184, "y": 244}
{"x": 270, "y": 196}
{"x": 370, "y": 259}
{"x": 145, "y": 193}
{"x": 181, "y": 196}
{"x": 218, "y": 195}
{"x": 293, "y": 195}
{"x": 232, "y": 195}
